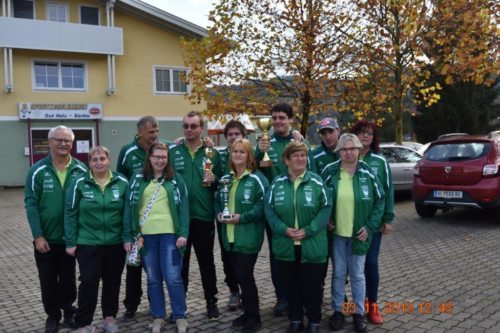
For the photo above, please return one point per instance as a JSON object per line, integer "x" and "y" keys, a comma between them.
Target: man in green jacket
{"x": 44, "y": 197}
{"x": 324, "y": 154}
{"x": 282, "y": 117}
{"x": 131, "y": 161}
{"x": 200, "y": 173}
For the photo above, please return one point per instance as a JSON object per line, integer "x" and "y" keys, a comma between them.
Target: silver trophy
{"x": 134, "y": 257}
{"x": 226, "y": 214}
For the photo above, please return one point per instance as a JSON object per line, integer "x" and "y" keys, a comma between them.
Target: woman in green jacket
{"x": 243, "y": 226}
{"x": 358, "y": 204}
{"x": 297, "y": 208}
{"x": 369, "y": 138}
{"x": 158, "y": 219}
{"x": 93, "y": 223}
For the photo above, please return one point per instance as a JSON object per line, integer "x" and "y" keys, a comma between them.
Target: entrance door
{"x": 84, "y": 140}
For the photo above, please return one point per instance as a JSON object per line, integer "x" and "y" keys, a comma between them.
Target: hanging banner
{"x": 53, "y": 111}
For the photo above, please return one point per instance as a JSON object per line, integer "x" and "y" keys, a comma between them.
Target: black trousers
{"x": 243, "y": 268}
{"x": 303, "y": 285}
{"x": 133, "y": 288}
{"x": 230, "y": 277}
{"x": 56, "y": 271}
{"x": 98, "y": 263}
{"x": 279, "y": 287}
{"x": 201, "y": 237}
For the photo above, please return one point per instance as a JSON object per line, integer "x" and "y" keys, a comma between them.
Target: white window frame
{"x": 59, "y": 76}
{"x": 55, "y": 3}
{"x": 91, "y": 6}
{"x": 34, "y": 9}
{"x": 170, "y": 69}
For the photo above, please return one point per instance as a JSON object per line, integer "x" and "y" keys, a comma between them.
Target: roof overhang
{"x": 149, "y": 13}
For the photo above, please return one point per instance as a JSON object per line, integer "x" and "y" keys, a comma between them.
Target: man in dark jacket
{"x": 46, "y": 184}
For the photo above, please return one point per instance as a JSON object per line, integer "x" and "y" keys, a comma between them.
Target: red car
{"x": 458, "y": 171}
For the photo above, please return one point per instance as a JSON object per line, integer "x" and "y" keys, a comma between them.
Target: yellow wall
{"x": 145, "y": 45}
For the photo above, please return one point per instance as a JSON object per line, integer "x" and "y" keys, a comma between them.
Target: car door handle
{"x": 408, "y": 169}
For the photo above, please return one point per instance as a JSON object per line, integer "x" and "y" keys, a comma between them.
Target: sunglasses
{"x": 190, "y": 126}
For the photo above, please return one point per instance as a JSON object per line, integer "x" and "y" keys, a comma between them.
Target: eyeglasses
{"x": 61, "y": 140}
{"x": 366, "y": 133}
{"x": 351, "y": 150}
{"x": 159, "y": 158}
{"x": 190, "y": 126}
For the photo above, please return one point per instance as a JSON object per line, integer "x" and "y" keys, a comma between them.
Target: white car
{"x": 401, "y": 160}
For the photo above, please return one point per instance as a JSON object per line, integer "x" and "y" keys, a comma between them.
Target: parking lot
{"x": 437, "y": 275}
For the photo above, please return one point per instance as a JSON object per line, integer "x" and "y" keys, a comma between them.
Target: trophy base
{"x": 266, "y": 164}
{"x": 226, "y": 217}
{"x": 207, "y": 184}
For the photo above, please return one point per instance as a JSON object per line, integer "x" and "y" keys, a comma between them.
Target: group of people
{"x": 169, "y": 197}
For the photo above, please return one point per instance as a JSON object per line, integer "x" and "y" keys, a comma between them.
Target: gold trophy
{"x": 265, "y": 125}
{"x": 209, "y": 153}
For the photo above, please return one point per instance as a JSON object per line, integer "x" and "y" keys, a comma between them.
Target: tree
{"x": 398, "y": 44}
{"x": 286, "y": 48}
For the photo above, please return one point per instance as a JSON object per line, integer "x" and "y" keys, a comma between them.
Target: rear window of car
{"x": 458, "y": 151}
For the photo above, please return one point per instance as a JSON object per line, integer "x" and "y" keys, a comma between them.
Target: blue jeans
{"x": 371, "y": 267}
{"x": 343, "y": 261}
{"x": 163, "y": 262}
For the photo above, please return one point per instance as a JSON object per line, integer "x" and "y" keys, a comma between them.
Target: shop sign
{"x": 51, "y": 111}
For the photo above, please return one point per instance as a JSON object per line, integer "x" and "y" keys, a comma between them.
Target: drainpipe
{"x": 7, "y": 54}
{"x": 110, "y": 11}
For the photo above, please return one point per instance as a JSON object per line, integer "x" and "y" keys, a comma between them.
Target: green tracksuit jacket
{"x": 92, "y": 216}
{"x": 44, "y": 198}
{"x": 249, "y": 232}
{"x": 380, "y": 167}
{"x": 368, "y": 201}
{"x": 321, "y": 157}
{"x": 201, "y": 198}
{"x": 177, "y": 199}
{"x": 311, "y": 205}
{"x": 277, "y": 146}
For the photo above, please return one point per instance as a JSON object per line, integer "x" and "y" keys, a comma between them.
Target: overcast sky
{"x": 195, "y": 11}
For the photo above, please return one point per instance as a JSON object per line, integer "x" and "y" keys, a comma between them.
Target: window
{"x": 24, "y": 9}
{"x": 57, "y": 12}
{"x": 89, "y": 15}
{"x": 53, "y": 75}
{"x": 170, "y": 80}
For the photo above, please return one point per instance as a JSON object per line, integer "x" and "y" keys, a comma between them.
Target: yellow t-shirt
{"x": 232, "y": 205}
{"x": 103, "y": 186}
{"x": 159, "y": 220}
{"x": 61, "y": 175}
{"x": 296, "y": 184}
{"x": 344, "y": 215}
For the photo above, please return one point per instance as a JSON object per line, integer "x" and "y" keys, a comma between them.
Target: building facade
{"x": 96, "y": 66}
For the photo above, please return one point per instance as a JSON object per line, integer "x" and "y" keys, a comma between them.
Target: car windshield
{"x": 458, "y": 151}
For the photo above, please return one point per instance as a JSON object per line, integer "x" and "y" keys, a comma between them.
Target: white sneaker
{"x": 110, "y": 325}
{"x": 182, "y": 325}
{"x": 86, "y": 329}
{"x": 156, "y": 325}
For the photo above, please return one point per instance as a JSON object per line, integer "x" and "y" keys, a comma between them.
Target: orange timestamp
{"x": 403, "y": 308}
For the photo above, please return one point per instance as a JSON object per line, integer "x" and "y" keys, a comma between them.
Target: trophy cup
{"x": 209, "y": 153}
{"x": 226, "y": 214}
{"x": 265, "y": 125}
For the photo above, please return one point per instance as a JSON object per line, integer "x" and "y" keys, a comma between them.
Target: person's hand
{"x": 178, "y": 141}
{"x": 297, "y": 136}
{"x": 208, "y": 142}
{"x": 209, "y": 177}
{"x": 330, "y": 225}
{"x": 264, "y": 143}
{"x": 41, "y": 245}
{"x": 127, "y": 246}
{"x": 235, "y": 219}
{"x": 362, "y": 234}
{"x": 299, "y": 235}
{"x": 71, "y": 250}
{"x": 181, "y": 242}
{"x": 386, "y": 229}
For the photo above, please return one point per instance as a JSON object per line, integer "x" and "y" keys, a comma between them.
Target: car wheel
{"x": 425, "y": 211}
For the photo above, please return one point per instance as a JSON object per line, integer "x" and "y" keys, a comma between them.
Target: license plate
{"x": 448, "y": 194}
